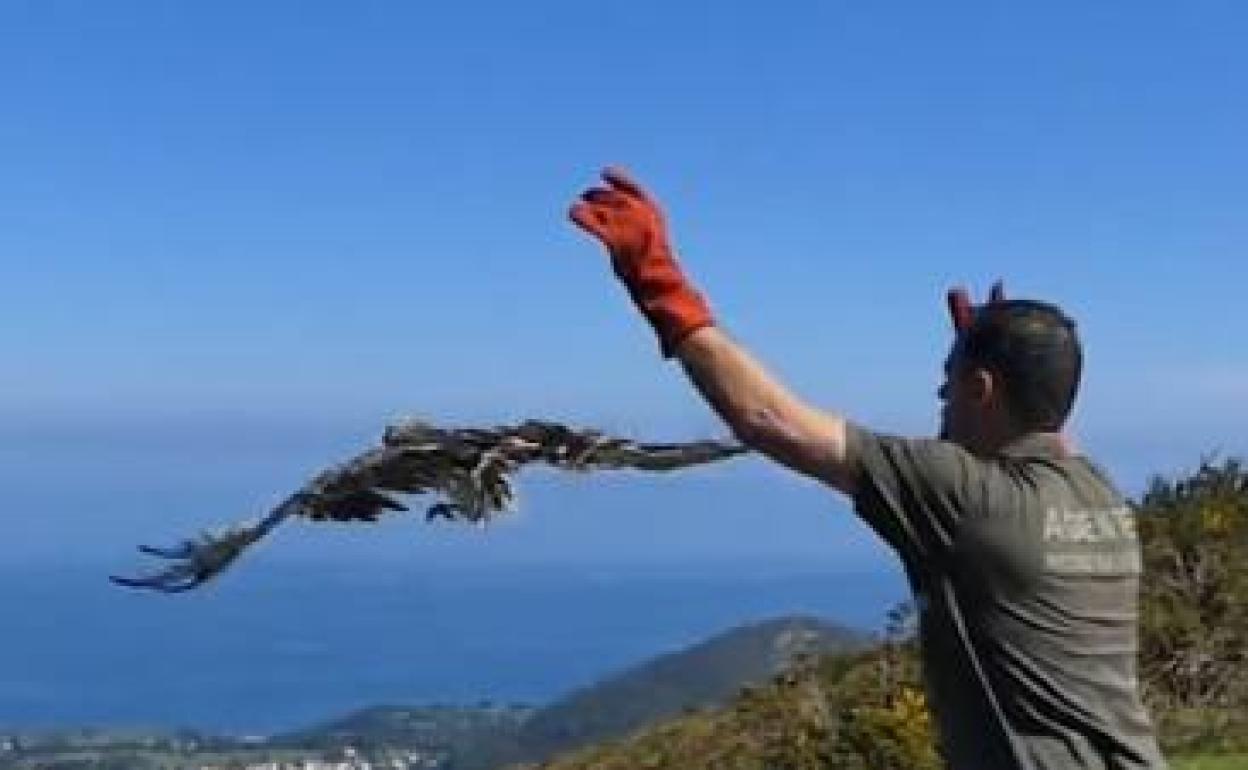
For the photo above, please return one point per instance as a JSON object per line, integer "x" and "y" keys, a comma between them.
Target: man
{"x": 1021, "y": 554}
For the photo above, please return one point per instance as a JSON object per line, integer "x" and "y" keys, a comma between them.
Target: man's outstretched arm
{"x": 761, "y": 412}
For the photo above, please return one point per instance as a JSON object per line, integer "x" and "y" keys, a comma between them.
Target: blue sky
{"x": 237, "y": 237}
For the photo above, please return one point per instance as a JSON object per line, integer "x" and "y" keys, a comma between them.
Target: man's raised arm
{"x": 760, "y": 411}
{"x": 764, "y": 414}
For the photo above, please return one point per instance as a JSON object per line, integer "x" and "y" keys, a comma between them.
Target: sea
{"x": 293, "y": 645}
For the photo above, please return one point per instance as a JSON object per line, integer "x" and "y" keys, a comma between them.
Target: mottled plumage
{"x": 469, "y": 468}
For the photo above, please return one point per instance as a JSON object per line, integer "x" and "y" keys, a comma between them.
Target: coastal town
{"x": 104, "y": 752}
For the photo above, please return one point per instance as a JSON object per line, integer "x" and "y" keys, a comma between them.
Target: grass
{"x": 1211, "y": 762}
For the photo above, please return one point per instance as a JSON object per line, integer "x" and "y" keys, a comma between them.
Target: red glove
{"x": 962, "y": 312}
{"x": 630, "y": 225}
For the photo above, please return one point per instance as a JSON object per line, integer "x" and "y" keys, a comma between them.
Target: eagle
{"x": 468, "y": 469}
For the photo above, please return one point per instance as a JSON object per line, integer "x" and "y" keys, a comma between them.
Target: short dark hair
{"x": 1033, "y": 347}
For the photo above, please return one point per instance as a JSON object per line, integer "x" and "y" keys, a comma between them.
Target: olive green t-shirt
{"x": 1025, "y": 569}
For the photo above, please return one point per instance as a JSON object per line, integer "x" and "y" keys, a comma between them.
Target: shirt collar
{"x": 1038, "y": 446}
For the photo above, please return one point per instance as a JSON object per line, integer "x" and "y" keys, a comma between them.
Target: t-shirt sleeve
{"x": 913, "y": 492}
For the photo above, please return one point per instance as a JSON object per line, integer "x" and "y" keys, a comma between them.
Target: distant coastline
{"x": 280, "y": 647}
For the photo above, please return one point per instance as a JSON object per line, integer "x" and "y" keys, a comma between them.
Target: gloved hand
{"x": 630, "y": 225}
{"x": 962, "y": 312}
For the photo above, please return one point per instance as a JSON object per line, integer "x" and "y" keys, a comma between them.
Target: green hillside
{"x": 704, "y": 675}
{"x": 860, "y": 710}
{"x": 476, "y": 736}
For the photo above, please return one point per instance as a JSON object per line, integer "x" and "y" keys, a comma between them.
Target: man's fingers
{"x": 619, "y": 179}
{"x": 590, "y": 218}
{"x": 604, "y": 197}
{"x": 960, "y": 310}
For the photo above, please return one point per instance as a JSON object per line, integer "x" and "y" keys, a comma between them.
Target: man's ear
{"x": 983, "y": 386}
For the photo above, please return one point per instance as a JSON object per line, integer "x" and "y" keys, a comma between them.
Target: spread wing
{"x": 469, "y": 470}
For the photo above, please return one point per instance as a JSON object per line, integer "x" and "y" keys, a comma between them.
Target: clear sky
{"x": 238, "y": 236}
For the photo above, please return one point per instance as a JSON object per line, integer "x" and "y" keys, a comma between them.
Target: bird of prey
{"x": 469, "y": 468}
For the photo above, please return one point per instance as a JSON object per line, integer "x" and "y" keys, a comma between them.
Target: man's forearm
{"x": 761, "y": 412}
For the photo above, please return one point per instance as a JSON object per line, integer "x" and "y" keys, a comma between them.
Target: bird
{"x": 469, "y": 469}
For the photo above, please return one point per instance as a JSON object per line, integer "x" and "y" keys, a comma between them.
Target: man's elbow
{"x": 762, "y": 430}
{"x": 815, "y": 447}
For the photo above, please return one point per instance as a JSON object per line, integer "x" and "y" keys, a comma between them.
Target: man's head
{"x": 1014, "y": 368}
